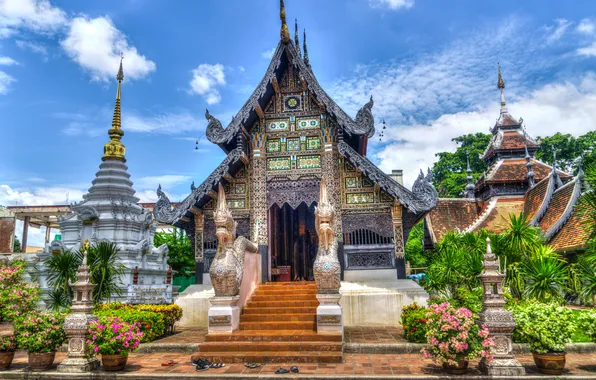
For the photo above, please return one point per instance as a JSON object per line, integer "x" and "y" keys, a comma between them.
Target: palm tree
{"x": 105, "y": 270}
{"x": 544, "y": 274}
{"x": 519, "y": 238}
{"x": 62, "y": 270}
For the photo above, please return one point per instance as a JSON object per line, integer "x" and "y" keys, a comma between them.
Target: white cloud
{"x": 588, "y": 51}
{"x": 39, "y": 195}
{"x": 37, "y": 15}
{"x": 5, "y": 81}
{"x": 391, "y": 4}
{"x": 545, "y": 111}
{"x": 205, "y": 80}
{"x": 35, "y": 47}
{"x": 7, "y": 61}
{"x": 268, "y": 54}
{"x": 556, "y": 32}
{"x": 586, "y": 26}
{"x": 167, "y": 123}
{"x": 96, "y": 44}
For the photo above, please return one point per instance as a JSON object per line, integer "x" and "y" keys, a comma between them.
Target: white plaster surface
{"x": 224, "y": 307}
{"x": 195, "y": 304}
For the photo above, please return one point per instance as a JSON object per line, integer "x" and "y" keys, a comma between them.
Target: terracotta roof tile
{"x": 450, "y": 215}
{"x": 514, "y": 170}
{"x": 515, "y": 140}
{"x": 556, "y": 207}
{"x": 535, "y": 197}
{"x": 498, "y": 217}
{"x": 572, "y": 235}
{"x": 507, "y": 120}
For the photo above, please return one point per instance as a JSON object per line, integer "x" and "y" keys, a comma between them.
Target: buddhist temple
{"x": 515, "y": 182}
{"x": 288, "y": 136}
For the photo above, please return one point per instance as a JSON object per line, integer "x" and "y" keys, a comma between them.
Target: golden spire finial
{"x": 500, "y": 83}
{"x": 114, "y": 148}
{"x": 284, "y": 32}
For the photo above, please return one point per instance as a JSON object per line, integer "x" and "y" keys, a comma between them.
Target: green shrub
{"x": 151, "y": 324}
{"x": 171, "y": 313}
{"x": 40, "y": 332}
{"x": 413, "y": 321}
{"x": 546, "y": 327}
{"x": 17, "y": 297}
{"x": 587, "y": 323}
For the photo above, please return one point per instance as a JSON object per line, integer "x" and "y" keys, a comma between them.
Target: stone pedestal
{"x": 329, "y": 314}
{"x": 224, "y": 315}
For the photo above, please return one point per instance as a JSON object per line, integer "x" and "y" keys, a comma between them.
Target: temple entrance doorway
{"x": 293, "y": 242}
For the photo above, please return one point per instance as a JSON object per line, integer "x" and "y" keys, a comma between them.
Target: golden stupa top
{"x": 500, "y": 83}
{"x": 114, "y": 149}
{"x": 284, "y": 33}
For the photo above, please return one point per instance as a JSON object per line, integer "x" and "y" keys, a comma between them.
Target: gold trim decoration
{"x": 114, "y": 149}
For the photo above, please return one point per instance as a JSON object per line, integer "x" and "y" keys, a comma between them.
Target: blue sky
{"x": 430, "y": 65}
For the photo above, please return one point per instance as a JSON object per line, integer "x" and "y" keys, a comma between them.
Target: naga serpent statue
{"x": 326, "y": 266}
{"x": 227, "y": 266}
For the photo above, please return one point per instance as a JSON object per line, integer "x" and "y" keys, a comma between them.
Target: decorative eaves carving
{"x": 421, "y": 199}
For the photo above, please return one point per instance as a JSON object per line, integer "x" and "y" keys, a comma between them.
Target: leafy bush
{"x": 546, "y": 327}
{"x": 453, "y": 336}
{"x": 413, "y": 321}
{"x": 113, "y": 336}
{"x": 41, "y": 332}
{"x": 171, "y": 313}
{"x": 151, "y": 324}
{"x": 17, "y": 298}
{"x": 462, "y": 297}
{"x": 587, "y": 323}
{"x": 7, "y": 343}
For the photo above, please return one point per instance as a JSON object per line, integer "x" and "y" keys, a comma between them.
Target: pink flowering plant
{"x": 7, "y": 343}
{"x": 40, "y": 332}
{"x": 17, "y": 297}
{"x": 113, "y": 336}
{"x": 453, "y": 336}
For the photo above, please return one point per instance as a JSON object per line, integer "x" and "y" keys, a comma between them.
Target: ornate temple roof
{"x": 450, "y": 214}
{"x": 515, "y": 170}
{"x": 288, "y": 53}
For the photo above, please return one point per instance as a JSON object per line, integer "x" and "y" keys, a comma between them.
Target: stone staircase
{"x": 278, "y": 325}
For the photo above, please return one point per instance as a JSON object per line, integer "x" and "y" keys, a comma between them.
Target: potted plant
{"x": 547, "y": 328}
{"x": 453, "y": 338}
{"x": 40, "y": 334}
{"x": 7, "y": 347}
{"x": 114, "y": 339}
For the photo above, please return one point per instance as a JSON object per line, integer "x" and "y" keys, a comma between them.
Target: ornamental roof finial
{"x": 501, "y": 86}
{"x": 284, "y": 33}
{"x": 114, "y": 148}
{"x": 469, "y": 193}
{"x": 306, "y": 59}
{"x": 296, "y": 40}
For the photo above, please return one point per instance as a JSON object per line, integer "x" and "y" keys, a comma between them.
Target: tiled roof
{"x": 535, "y": 197}
{"x": 506, "y": 120}
{"x": 498, "y": 217}
{"x": 556, "y": 207}
{"x": 451, "y": 214}
{"x": 514, "y": 170}
{"x": 572, "y": 235}
{"x": 509, "y": 140}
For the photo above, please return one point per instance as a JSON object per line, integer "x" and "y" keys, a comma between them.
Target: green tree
{"x": 16, "y": 245}
{"x": 449, "y": 172}
{"x": 415, "y": 252}
{"x": 180, "y": 256}
{"x": 544, "y": 275}
{"x": 568, "y": 149}
{"x": 62, "y": 270}
{"x": 105, "y": 269}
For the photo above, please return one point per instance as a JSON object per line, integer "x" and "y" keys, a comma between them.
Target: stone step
{"x": 307, "y": 297}
{"x": 290, "y": 283}
{"x": 252, "y": 346}
{"x": 251, "y": 318}
{"x": 271, "y": 357}
{"x": 277, "y": 325}
{"x": 279, "y": 310}
{"x": 274, "y": 336}
{"x": 275, "y": 292}
{"x": 281, "y": 304}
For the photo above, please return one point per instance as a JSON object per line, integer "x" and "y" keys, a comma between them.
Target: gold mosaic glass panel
{"x": 279, "y": 163}
{"x": 307, "y": 124}
{"x": 236, "y": 203}
{"x": 313, "y": 143}
{"x": 278, "y": 126}
{"x": 308, "y": 162}
{"x": 273, "y": 145}
{"x": 360, "y": 198}
{"x": 293, "y": 144}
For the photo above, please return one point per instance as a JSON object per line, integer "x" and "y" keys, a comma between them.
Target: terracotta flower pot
{"x": 41, "y": 361}
{"x": 459, "y": 369}
{"x": 551, "y": 363}
{"x": 113, "y": 362}
{"x": 6, "y": 359}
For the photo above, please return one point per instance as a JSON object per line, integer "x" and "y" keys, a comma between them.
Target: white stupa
{"x": 110, "y": 212}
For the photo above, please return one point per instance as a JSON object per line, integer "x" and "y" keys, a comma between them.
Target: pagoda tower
{"x": 110, "y": 211}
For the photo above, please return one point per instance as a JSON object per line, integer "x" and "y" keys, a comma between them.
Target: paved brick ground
{"x": 351, "y": 335}
{"x": 355, "y": 364}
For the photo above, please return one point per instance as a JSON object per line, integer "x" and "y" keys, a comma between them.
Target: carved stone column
{"x": 77, "y": 324}
{"x": 398, "y": 239}
{"x": 258, "y": 201}
{"x": 198, "y": 246}
{"x": 499, "y": 321}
